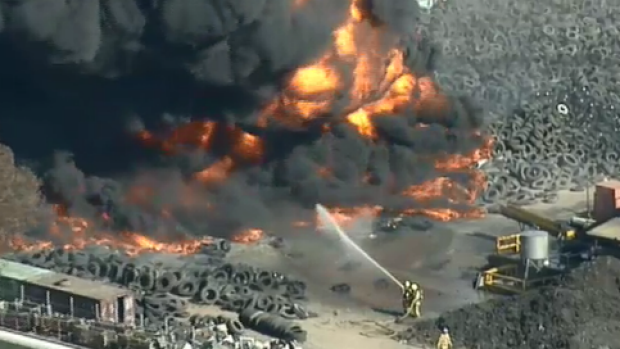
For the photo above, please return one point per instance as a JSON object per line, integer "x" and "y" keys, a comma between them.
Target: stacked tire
{"x": 164, "y": 291}
{"x": 551, "y": 143}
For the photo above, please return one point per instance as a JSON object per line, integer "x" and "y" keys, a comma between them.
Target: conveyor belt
{"x": 525, "y": 217}
{"x": 609, "y": 230}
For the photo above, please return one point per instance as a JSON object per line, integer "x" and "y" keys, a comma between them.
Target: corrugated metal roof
{"x": 80, "y": 287}
{"x": 60, "y": 282}
{"x": 609, "y": 230}
{"x": 19, "y": 271}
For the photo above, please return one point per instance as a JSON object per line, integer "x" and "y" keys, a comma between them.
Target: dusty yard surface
{"x": 443, "y": 260}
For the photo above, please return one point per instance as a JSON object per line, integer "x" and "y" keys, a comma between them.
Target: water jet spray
{"x": 328, "y": 221}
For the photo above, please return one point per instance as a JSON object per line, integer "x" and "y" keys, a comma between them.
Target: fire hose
{"x": 327, "y": 220}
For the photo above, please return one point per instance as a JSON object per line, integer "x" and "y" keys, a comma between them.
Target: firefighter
{"x": 444, "y": 341}
{"x": 412, "y": 299}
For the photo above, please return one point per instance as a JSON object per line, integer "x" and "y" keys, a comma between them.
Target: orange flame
{"x": 72, "y": 233}
{"x": 359, "y": 65}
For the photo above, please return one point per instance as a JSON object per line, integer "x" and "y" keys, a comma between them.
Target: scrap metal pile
{"x": 165, "y": 286}
{"x": 584, "y": 312}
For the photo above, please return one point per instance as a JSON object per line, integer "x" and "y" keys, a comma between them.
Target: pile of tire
{"x": 164, "y": 290}
{"x": 271, "y": 325}
{"x": 553, "y": 142}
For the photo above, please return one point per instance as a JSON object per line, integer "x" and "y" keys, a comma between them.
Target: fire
{"x": 375, "y": 81}
{"x": 73, "y": 233}
{"x": 248, "y": 236}
{"x": 314, "y": 80}
{"x": 359, "y": 78}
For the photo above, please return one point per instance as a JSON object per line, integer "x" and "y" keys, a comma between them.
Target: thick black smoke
{"x": 76, "y": 71}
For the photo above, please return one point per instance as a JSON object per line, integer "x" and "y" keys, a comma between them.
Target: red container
{"x": 606, "y": 200}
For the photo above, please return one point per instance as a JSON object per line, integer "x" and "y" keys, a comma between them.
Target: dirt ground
{"x": 443, "y": 260}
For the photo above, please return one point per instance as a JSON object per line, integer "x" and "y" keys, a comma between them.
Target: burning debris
{"x": 341, "y": 109}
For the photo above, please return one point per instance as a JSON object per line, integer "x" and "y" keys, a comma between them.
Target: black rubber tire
{"x": 243, "y": 291}
{"x": 40, "y": 259}
{"x": 60, "y": 256}
{"x": 287, "y": 311}
{"x": 591, "y": 171}
{"x": 560, "y": 145}
{"x": 272, "y": 325}
{"x": 209, "y": 295}
{"x": 95, "y": 269}
{"x": 234, "y": 326}
{"x": 610, "y": 156}
{"x": 530, "y": 153}
{"x": 154, "y": 305}
{"x": 130, "y": 274}
{"x": 220, "y": 275}
{"x": 342, "y": 288}
{"x": 196, "y": 321}
{"x": 265, "y": 280}
{"x": 167, "y": 281}
{"x": 568, "y": 160}
{"x": 521, "y": 198}
{"x": 147, "y": 279}
{"x": 493, "y": 194}
{"x": 296, "y": 289}
{"x": 580, "y": 154}
{"x": 157, "y": 298}
{"x": 499, "y": 147}
{"x": 296, "y": 333}
{"x": 263, "y": 302}
{"x": 517, "y": 141}
{"x": 241, "y": 277}
{"x": 563, "y": 181}
{"x": 115, "y": 271}
{"x": 176, "y": 304}
{"x": 79, "y": 258}
{"x": 238, "y": 304}
{"x": 540, "y": 184}
{"x": 187, "y": 287}
{"x": 224, "y": 246}
{"x": 528, "y": 172}
{"x": 227, "y": 294}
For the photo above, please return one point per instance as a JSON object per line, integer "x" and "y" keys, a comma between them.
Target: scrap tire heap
{"x": 164, "y": 290}
{"x": 583, "y": 312}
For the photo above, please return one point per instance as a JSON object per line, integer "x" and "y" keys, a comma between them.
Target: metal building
{"x": 66, "y": 294}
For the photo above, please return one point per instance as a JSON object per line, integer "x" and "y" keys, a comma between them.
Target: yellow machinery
{"x": 512, "y": 279}
{"x": 507, "y": 271}
{"x": 511, "y": 244}
{"x": 577, "y": 240}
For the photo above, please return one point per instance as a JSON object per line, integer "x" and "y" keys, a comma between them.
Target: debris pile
{"x": 166, "y": 285}
{"x": 205, "y": 332}
{"x": 584, "y": 312}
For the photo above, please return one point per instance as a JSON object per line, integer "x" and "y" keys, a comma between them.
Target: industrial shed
{"x": 66, "y": 294}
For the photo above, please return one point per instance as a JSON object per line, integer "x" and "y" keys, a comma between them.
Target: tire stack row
{"x": 165, "y": 290}
{"x": 556, "y": 141}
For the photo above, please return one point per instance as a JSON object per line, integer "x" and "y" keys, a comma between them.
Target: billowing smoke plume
{"x": 82, "y": 70}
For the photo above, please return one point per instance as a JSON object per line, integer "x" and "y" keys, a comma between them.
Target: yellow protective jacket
{"x": 411, "y": 296}
{"x": 444, "y": 342}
